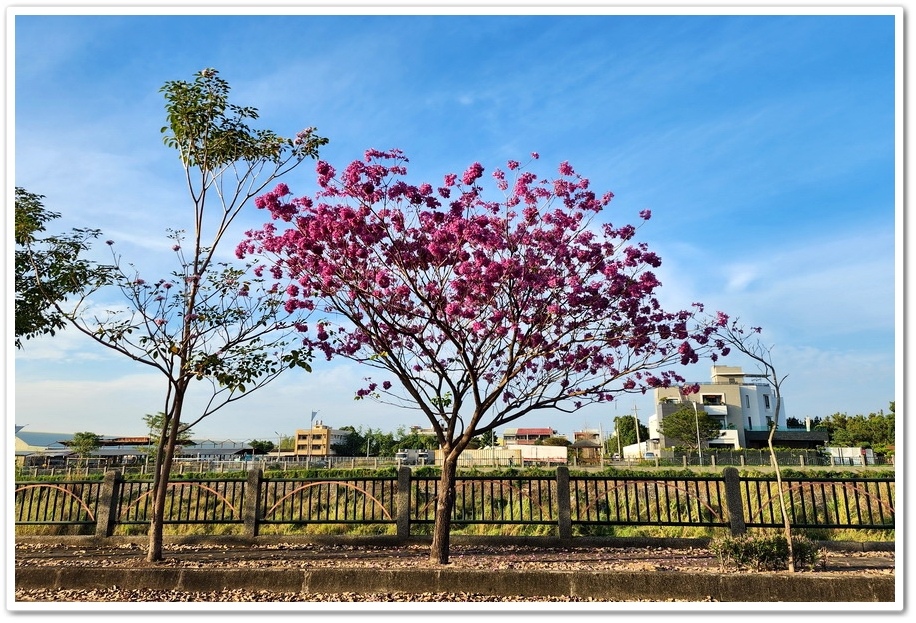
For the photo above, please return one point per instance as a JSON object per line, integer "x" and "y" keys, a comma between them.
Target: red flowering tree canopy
{"x": 483, "y": 309}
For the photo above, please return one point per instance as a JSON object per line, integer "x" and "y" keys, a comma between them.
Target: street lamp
{"x": 308, "y": 457}
{"x": 279, "y": 439}
{"x": 696, "y": 419}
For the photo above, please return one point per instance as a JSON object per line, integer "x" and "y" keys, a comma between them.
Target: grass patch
{"x": 767, "y": 552}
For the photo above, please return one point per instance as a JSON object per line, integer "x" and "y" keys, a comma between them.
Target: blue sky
{"x": 763, "y": 144}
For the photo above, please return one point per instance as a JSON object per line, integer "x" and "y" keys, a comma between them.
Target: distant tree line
{"x": 875, "y": 430}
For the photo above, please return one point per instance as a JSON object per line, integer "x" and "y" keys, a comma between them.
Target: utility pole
{"x": 279, "y": 439}
{"x": 602, "y": 441}
{"x": 638, "y": 442}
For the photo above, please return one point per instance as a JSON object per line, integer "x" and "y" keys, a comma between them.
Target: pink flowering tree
{"x": 476, "y": 311}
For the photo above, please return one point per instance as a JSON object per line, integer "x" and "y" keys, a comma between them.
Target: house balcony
{"x": 718, "y": 411}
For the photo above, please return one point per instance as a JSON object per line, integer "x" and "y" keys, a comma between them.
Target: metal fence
{"x": 300, "y": 502}
{"x": 187, "y": 502}
{"x": 820, "y": 503}
{"x": 720, "y": 501}
{"x": 697, "y": 501}
{"x": 67, "y": 503}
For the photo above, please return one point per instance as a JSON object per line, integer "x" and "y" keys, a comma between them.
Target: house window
{"x": 766, "y": 401}
{"x": 712, "y": 399}
{"x": 747, "y": 401}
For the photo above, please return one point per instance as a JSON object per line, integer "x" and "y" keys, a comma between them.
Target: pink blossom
{"x": 532, "y": 297}
{"x": 472, "y": 174}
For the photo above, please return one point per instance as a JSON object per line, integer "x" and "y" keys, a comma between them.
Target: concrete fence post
{"x": 564, "y": 512}
{"x": 251, "y": 509}
{"x": 403, "y": 502}
{"x": 733, "y": 501}
{"x": 107, "y": 512}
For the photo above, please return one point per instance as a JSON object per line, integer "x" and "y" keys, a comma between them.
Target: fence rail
{"x": 721, "y": 501}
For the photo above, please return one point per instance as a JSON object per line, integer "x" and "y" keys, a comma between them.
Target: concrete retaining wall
{"x": 600, "y": 585}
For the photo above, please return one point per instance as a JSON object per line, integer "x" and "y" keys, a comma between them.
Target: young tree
{"x": 209, "y": 321}
{"x": 685, "y": 424}
{"x": 154, "y": 424}
{"x": 744, "y": 340}
{"x": 483, "y": 311}
{"x": 85, "y": 443}
{"x": 47, "y": 268}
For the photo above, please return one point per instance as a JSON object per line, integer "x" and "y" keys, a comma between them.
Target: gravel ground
{"x": 309, "y": 556}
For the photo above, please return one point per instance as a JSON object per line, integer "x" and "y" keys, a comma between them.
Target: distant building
{"x": 527, "y": 436}
{"x": 743, "y": 404}
{"x": 420, "y": 430}
{"x": 210, "y": 450}
{"x": 587, "y": 435}
{"x": 318, "y": 440}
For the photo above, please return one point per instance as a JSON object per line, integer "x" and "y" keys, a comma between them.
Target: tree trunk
{"x": 787, "y": 526}
{"x": 445, "y": 503}
{"x": 164, "y": 456}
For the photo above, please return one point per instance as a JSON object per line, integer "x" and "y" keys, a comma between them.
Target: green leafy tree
{"x": 261, "y": 447}
{"x": 416, "y": 440}
{"x": 153, "y": 422}
{"x": 85, "y": 443}
{"x": 625, "y": 428}
{"x": 555, "y": 441}
{"x": 380, "y": 443}
{"x": 685, "y": 424}
{"x": 47, "y": 268}
{"x": 875, "y": 430}
{"x": 210, "y": 321}
{"x": 353, "y": 445}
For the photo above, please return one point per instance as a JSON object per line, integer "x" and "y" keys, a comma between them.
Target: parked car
{"x": 649, "y": 456}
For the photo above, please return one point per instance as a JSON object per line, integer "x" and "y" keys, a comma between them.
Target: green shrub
{"x": 766, "y": 553}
